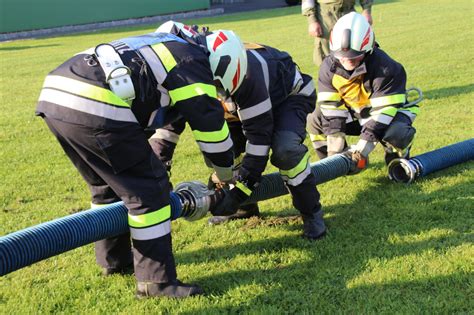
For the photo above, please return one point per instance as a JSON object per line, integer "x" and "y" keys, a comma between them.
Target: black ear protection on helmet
{"x": 222, "y": 66}
{"x": 346, "y": 40}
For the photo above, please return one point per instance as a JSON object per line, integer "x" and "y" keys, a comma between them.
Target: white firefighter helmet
{"x": 228, "y": 59}
{"x": 175, "y": 28}
{"x": 351, "y": 36}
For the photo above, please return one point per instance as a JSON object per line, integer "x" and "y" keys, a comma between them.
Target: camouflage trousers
{"x": 328, "y": 14}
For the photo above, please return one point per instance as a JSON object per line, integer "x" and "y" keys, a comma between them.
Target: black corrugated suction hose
{"x": 25, "y": 247}
{"x": 406, "y": 171}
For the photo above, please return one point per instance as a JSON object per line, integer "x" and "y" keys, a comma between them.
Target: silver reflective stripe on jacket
{"x": 384, "y": 119}
{"x": 255, "y": 110}
{"x": 308, "y": 89}
{"x": 155, "y": 64}
{"x": 263, "y": 63}
{"x": 217, "y": 147}
{"x": 87, "y": 105}
{"x": 159, "y": 72}
{"x": 166, "y": 134}
{"x": 258, "y": 150}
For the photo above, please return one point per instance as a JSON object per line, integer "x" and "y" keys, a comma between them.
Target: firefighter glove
{"x": 359, "y": 162}
{"x": 248, "y": 180}
{"x": 230, "y": 203}
{"x": 243, "y": 187}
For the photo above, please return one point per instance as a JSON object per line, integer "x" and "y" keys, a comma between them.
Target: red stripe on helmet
{"x": 236, "y": 77}
{"x": 220, "y": 38}
{"x": 188, "y": 28}
{"x": 366, "y": 39}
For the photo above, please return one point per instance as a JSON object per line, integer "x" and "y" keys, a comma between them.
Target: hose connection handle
{"x": 419, "y": 96}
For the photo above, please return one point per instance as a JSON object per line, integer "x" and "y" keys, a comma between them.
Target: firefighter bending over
{"x": 101, "y": 105}
{"x": 272, "y": 103}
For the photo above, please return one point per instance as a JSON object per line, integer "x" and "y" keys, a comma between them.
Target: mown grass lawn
{"x": 391, "y": 248}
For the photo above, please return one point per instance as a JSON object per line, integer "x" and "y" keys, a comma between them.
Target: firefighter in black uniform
{"x": 100, "y": 105}
{"x": 165, "y": 139}
{"x": 361, "y": 92}
{"x": 272, "y": 104}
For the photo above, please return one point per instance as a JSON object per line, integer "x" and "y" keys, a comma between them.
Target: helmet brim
{"x": 349, "y": 54}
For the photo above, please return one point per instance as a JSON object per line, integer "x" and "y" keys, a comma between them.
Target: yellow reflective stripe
{"x": 83, "y": 89}
{"x": 415, "y": 110}
{"x": 317, "y": 137}
{"x": 212, "y": 136}
{"x": 298, "y": 168}
{"x": 328, "y": 96}
{"x": 389, "y": 111}
{"x": 388, "y": 100}
{"x": 244, "y": 188}
{"x": 192, "y": 90}
{"x": 149, "y": 219}
{"x": 165, "y": 56}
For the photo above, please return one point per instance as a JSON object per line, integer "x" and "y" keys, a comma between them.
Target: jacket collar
{"x": 337, "y": 68}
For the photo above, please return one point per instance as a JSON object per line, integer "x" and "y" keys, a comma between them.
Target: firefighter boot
{"x": 244, "y": 212}
{"x": 173, "y": 289}
{"x": 314, "y": 227}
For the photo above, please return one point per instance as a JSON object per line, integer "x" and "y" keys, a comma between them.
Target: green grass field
{"x": 391, "y": 248}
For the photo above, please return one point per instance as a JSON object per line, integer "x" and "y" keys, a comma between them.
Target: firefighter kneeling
{"x": 361, "y": 92}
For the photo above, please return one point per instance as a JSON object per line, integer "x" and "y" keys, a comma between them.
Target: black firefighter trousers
{"x": 288, "y": 149}
{"x": 119, "y": 164}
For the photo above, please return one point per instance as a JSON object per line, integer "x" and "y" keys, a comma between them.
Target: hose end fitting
{"x": 195, "y": 199}
{"x": 403, "y": 170}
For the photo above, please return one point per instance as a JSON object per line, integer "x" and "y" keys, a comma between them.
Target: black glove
{"x": 248, "y": 180}
{"x": 233, "y": 198}
{"x": 359, "y": 162}
{"x": 230, "y": 203}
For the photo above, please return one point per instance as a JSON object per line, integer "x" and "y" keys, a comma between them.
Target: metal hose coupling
{"x": 404, "y": 171}
{"x": 196, "y": 199}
